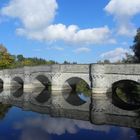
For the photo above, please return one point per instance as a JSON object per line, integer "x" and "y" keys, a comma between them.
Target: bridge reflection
{"x": 40, "y": 100}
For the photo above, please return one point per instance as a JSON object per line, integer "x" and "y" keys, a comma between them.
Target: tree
{"x": 3, "y": 49}
{"x": 136, "y": 46}
{"x": 6, "y": 60}
{"x": 66, "y": 62}
{"x": 129, "y": 59}
{"x": 27, "y": 63}
{"x": 20, "y": 58}
{"x": 106, "y": 61}
{"x": 12, "y": 61}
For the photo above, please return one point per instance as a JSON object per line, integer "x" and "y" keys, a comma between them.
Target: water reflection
{"x": 3, "y": 110}
{"x": 58, "y": 128}
{"x": 138, "y": 133}
{"x": 1, "y": 90}
{"x": 17, "y": 92}
{"x": 74, "y": 98}
{"x": 41, "y": 101}
{"x": 27, "y": 125}
{"x": 126, "y": 94}
{"x": 44, "y": 96}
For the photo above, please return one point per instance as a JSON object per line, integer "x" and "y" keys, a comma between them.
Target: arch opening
{"x": 1, "y": 85}
{"x": 45, "y": 94}
{"x": 77, "y": 93}
{"x": 44, "y": 81}
{"x": 17, "y": 93}
{"x": 126, "y": 94}
{"x": 17, "y": 82}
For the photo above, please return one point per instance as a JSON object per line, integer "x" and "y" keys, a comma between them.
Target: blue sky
{"x": 82, "y": 31}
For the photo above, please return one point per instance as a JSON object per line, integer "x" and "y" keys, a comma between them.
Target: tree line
{"x": 14, "y": 61}
{"x": 8, "y": 60}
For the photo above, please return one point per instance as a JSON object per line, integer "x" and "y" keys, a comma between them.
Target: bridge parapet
{"x": 74, "y": 68}
{"x": 126, "y": 69}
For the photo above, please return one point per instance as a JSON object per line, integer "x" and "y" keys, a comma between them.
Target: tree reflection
{"x": 126, "y": 93}
{"x": 138, "y": 133}
{"x": 82, "y": 87}
{"x": 74, "y": 98}
{"x": 3, "y": 110}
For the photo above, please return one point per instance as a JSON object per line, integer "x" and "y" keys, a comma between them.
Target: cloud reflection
{"x": 60, "y": 126}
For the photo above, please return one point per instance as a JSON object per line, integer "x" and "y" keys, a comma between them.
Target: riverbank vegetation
{"x": 15, "y": 61}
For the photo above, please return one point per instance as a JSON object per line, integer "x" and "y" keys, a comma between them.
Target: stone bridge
{"x": 99, "y": 77}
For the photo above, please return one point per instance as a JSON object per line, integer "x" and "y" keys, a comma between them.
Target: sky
{"x": 83, "y": 31}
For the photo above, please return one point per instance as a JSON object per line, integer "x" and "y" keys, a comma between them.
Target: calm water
{"x": 19, "y": 124}
{"x": 16, "y": 124}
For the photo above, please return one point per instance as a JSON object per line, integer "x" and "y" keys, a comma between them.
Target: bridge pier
{"x": 98, "y": 108}
{"x": 7, "y": 83}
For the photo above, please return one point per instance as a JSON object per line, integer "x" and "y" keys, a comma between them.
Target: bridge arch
{"x": 17, "y": 82}
{"x": 74, "y": 80}
{"x": 126, "y": 94}
{"x": 60, "y": 80}
{"x": 42, "y": 89}
{"x": 76, "y": 91}
{"x": 42, "y": 80}
{"x": 1, "y": 85}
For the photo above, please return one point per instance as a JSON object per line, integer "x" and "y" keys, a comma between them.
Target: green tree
{"x": 12, "y": 61}
{"x": 136, "y": 46}
{"x": 66, "y": 62}
{"x": 129, "y": 59}
{"x": 6, "y": 59}
{"x": 106, "y": 61}
{"x": 20, "y": 58}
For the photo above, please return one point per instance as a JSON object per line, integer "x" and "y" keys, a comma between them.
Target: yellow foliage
{"x": 27, "y": 63}
{"x": 5, "y": 60}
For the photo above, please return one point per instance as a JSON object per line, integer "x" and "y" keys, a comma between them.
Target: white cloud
{"x": 116, "y": 54}
{"x": 34, "y": 14}
{"x": 82, "y": 50}
{"x": 55, "y": 48}
{"x": 123, "y": 11}
{"x": 71, "y": 34}
{"x": 37, "y": 18}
